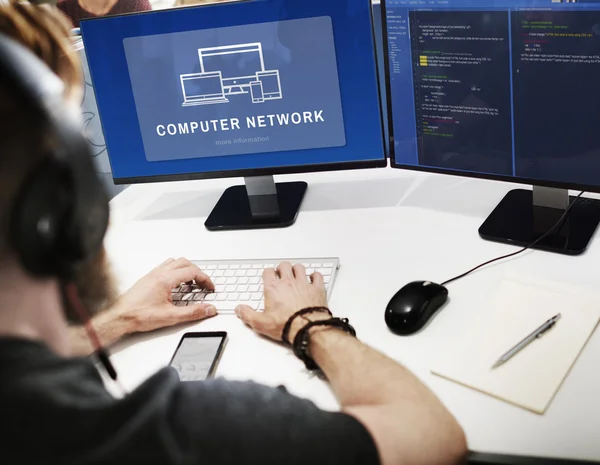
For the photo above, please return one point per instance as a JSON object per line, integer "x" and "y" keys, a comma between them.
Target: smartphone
{"x": 256, "y": 90}
{"x": 198, "y": 354}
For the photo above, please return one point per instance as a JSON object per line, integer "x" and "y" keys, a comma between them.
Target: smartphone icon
{"x": 256, "y": 89}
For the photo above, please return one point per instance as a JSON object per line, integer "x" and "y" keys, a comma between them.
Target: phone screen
{"x": 197, "y": 355}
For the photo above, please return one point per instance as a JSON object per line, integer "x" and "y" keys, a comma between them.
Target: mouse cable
{"x": 524, "y": 249}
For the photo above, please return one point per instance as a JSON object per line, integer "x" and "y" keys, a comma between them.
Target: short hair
{"x": 23, "y": 140}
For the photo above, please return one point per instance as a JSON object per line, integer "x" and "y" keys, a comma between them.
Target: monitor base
{"x": 520, "y": 219}
{"x": 260, "y": 204}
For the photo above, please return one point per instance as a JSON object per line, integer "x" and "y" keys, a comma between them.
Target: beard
{"x": 95, "y": 286}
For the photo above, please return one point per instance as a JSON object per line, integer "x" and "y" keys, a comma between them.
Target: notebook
{"x": 519, "y": 306}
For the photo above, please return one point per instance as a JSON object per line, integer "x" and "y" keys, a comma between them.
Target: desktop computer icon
{"x": 202, "y": 89}
{"x": 525, "y": 114}
{"x": 163, "y": 142}
{"x": 238, "y": 65}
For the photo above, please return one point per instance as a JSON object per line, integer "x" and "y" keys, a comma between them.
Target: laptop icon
{"x": 202, "y": 89}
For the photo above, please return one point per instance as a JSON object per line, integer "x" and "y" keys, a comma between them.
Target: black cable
{"x": 524, "y": 249}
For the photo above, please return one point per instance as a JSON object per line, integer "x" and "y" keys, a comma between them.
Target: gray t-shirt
{"x": 57, "y": 411}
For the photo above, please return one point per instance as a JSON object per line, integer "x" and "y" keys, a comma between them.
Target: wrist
{"x": 302, "y": 321}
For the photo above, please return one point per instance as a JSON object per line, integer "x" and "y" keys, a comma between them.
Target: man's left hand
{"x": 147, "y": 306}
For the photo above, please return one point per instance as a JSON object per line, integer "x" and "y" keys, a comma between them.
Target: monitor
{"x": 238, "y": 64}
{"x": 504, "y": 90}
{"x": 245, "y": 89}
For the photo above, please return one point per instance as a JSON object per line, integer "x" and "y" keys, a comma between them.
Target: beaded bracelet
{"x": 302, "y": 339}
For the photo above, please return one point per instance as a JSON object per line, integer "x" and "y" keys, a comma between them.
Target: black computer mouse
{"x": 413, "y": 306}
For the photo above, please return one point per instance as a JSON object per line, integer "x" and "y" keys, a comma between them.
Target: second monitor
{"x": 250, "y": 89}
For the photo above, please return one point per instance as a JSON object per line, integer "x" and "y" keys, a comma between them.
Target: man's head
{"x": 24, "y": 141}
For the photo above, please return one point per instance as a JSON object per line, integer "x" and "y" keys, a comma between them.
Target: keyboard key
{"x": 220, "y": 280}
{"x": 326, "y": 271}
{"x": 254, "y": 288}
{"x": 252, "y": 273}
{"x": 177, "y": 296}
{"x": 210, "y": 267}
{"x": 231, "y": 280}
{"x": 257, "y": 267}
{"x": 246, "y": 267}
{"x": 223, "y": 267}
{"x": 245, "y": 296}
{"x": 218, "y": 273}
{"x": 254, "y": 280}
{"x": 326, "y": 279}
{"x": 181, "y": 303}
{"x": 229, "y": 273}
{"x": 233, "y": 297}
{"x": 230, "y": 288}
{"x": 234, "y": 267}
{"x": 199, "y": 297}
{"x": 316, "y": 265}
{"x": 186, "y": 288}
{"x": 242, "y": 288}
{"x": 175, "y": 289}
{"x": 243, "y": 280}
{"x": 256, "y": 296}
{"x": 210, "y": 297}
{"x": 240, "y": 273}
{"x": 221, "y": 297}
{"x": 189, "y": 296}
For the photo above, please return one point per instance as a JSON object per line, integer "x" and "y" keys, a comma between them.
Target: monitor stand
{"x": 523, "y": 216}
{"x": 259, "y": 204}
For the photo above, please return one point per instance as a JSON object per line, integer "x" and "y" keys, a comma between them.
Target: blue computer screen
{"x": 315, "y": 61}
{"x": 506, "y": 88}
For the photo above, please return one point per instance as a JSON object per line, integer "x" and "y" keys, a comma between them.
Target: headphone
{"x": 60, "y": 215}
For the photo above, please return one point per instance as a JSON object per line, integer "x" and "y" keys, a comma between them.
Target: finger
{"x": 193, "y": 312}
{"x": 269, "y": 276}
{"x": 299, "y": 271}
{"x": 250, "y": 317}
{"x": 317, "y": 280}
{"x": 179, "y": 263}
{"x": 189, "y": 273}
{"x": 285, "y": 270}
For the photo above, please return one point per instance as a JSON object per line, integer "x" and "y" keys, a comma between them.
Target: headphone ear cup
{"x": 41, "y": 210}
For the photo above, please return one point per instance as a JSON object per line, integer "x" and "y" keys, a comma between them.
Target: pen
{"x": 528, "y": 340}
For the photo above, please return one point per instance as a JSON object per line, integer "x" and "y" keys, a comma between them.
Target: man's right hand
{"x": 287, "y": 290}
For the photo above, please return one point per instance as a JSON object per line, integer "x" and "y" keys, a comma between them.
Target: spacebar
{"x": 228, "y": 307}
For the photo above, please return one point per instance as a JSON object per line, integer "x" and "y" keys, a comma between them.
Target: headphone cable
{"x": 102, "y": 354}
{"x": 524, "y": 249}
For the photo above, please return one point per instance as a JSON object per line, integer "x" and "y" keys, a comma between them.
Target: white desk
{"x": 388, "y": 227}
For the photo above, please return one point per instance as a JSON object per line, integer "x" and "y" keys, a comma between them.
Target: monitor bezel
{"x": 449, "y": 172}
{"x": 252, "y": 172}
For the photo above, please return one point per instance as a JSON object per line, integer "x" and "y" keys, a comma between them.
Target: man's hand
{"x": 148, "y": 306}
{"x": 287, "y": 291}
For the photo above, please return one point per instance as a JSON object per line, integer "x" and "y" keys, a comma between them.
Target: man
{"x": 55, "y": 409}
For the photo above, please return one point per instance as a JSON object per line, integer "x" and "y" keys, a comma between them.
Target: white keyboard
{"x": 240, "y": 282}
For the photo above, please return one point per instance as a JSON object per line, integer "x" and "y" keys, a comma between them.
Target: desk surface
{"x": 388, "y": 227}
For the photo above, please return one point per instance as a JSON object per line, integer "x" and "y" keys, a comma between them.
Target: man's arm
{"x": 408, "y": 423}
{"x": 147, "y": 306}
